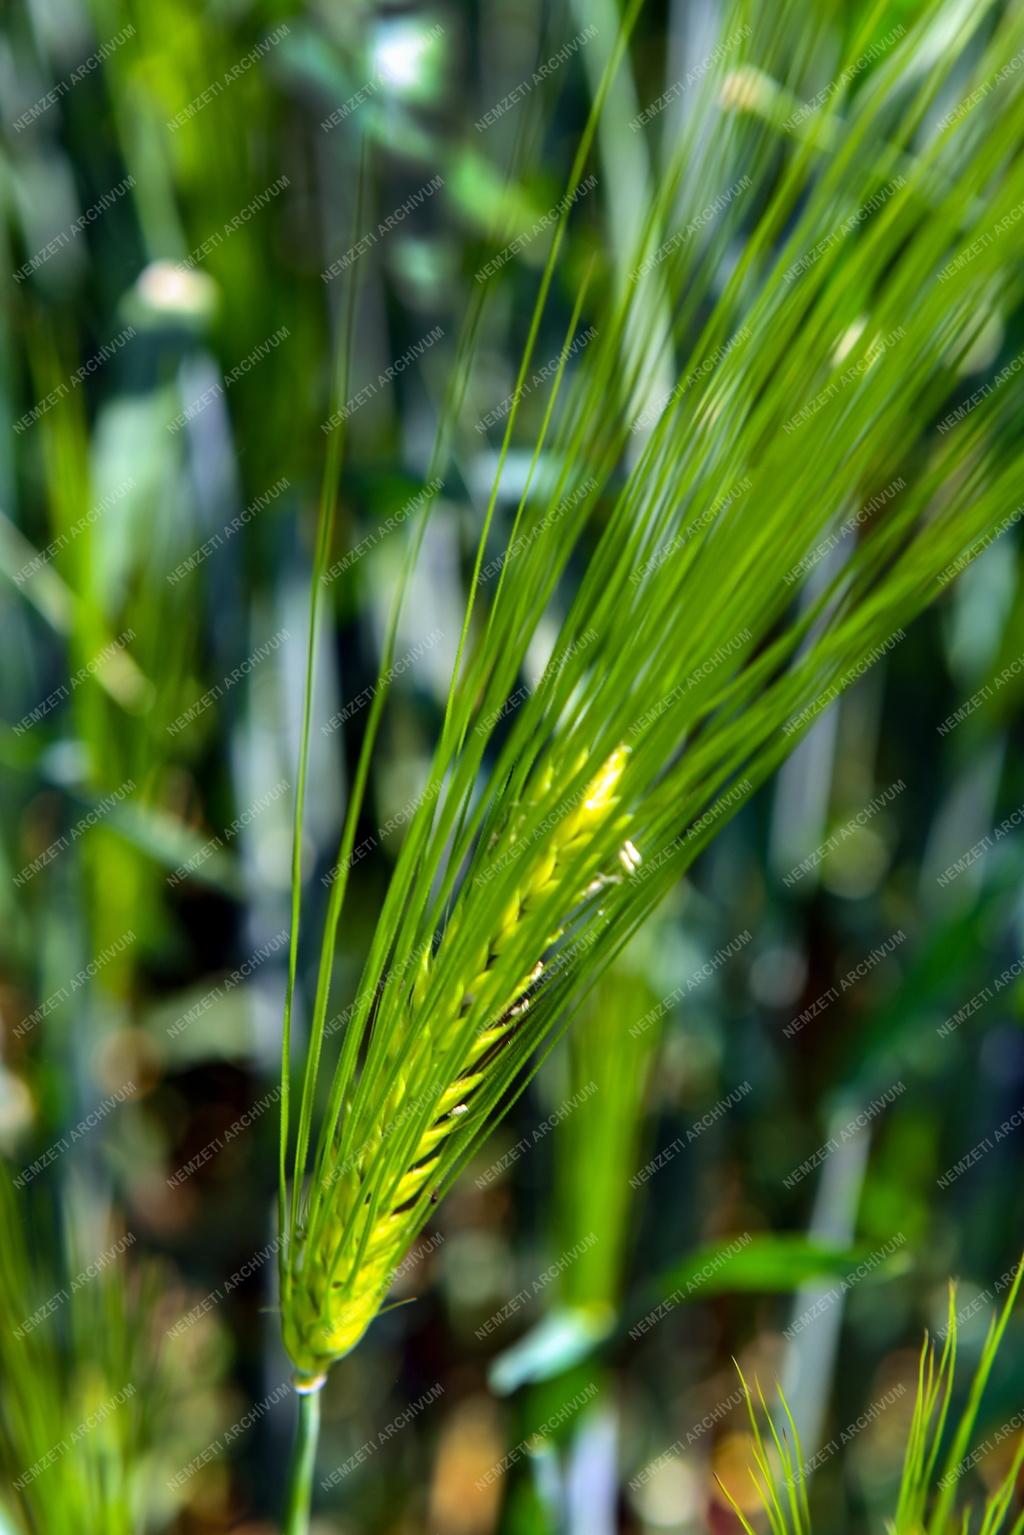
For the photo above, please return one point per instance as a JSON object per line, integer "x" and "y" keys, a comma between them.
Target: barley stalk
{"x": 791, "y": 398}
{"x": 300, "y": 1481}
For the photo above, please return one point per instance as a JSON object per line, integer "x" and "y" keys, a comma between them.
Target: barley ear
{"x": 371, "y": 1203}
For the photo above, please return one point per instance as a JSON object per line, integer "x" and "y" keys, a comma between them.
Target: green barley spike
{"x": 334, "y": 1295}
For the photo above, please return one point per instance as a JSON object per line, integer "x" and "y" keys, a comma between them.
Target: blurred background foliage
{"x": 165, "y": 372}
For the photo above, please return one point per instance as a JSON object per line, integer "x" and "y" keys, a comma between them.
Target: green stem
{"x": 300, "y": 1476}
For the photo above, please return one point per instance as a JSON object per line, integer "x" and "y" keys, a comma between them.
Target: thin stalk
{"x": 300, "y": 1475}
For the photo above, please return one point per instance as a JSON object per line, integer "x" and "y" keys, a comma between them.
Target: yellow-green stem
{"x": 300, "y": 1475}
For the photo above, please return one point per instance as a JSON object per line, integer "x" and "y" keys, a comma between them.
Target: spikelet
{"x": 331, "y": 1296}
